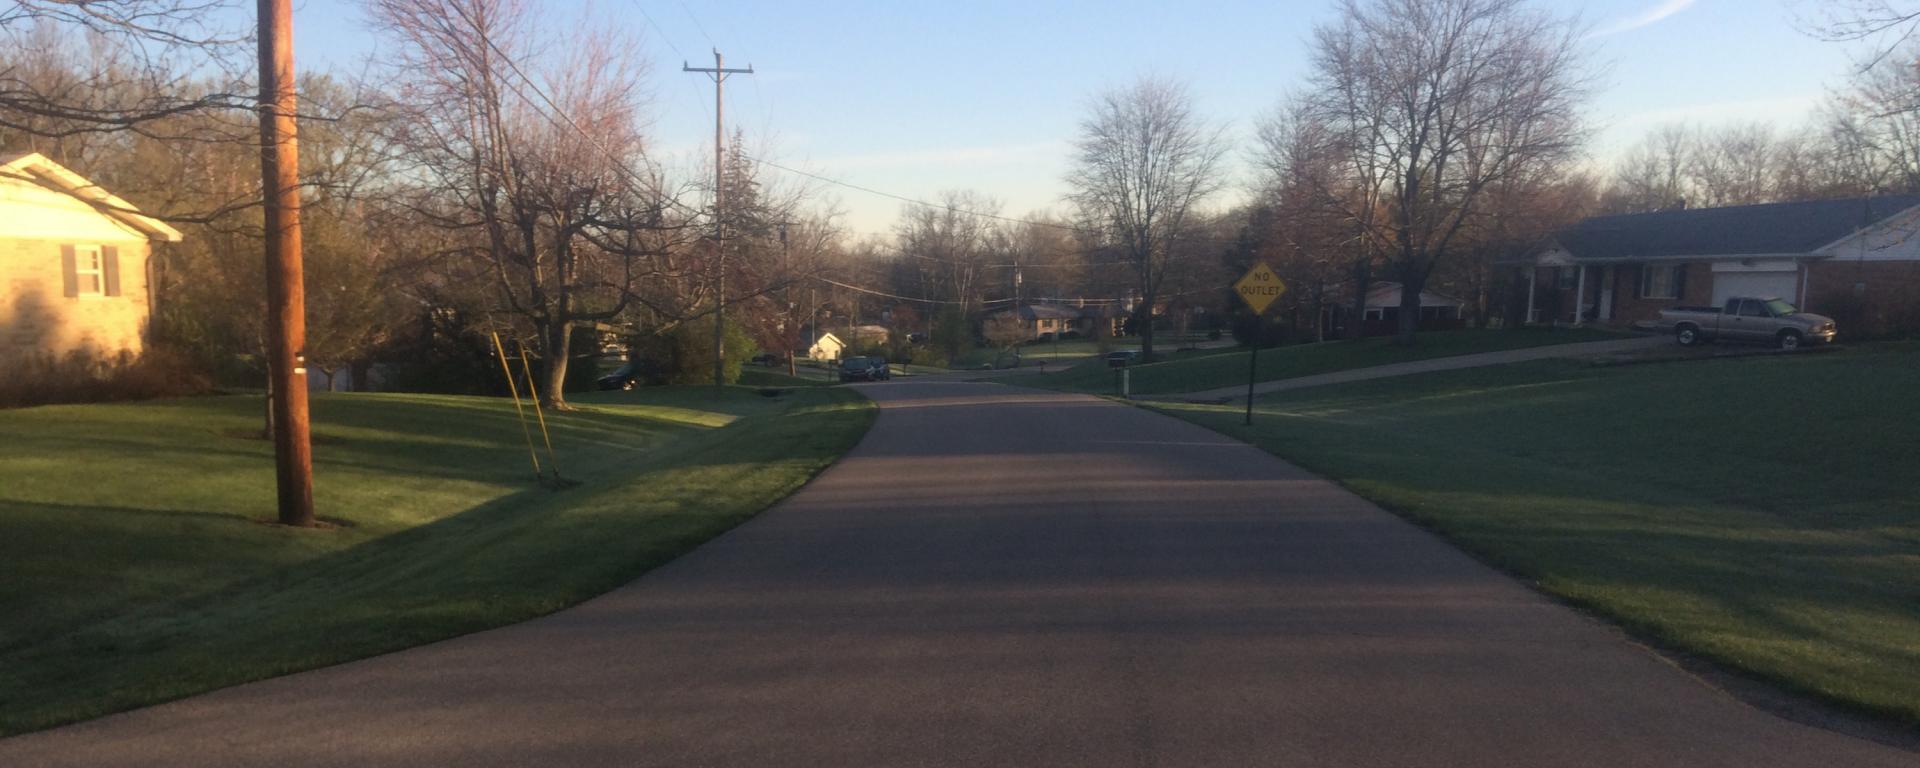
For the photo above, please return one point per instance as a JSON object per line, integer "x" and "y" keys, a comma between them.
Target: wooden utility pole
{"x": 719, "y": 73}
{"x": 286, "y": 291}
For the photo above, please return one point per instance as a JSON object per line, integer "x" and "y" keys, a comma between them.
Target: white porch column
{"x": 1580, "y": 300}
{"x": 1533, "y": 279}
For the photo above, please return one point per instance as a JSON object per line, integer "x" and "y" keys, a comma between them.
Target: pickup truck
{"x": 1767, "y": 320}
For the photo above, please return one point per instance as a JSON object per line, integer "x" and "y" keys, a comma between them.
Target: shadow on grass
{"x": 512, "y": 558}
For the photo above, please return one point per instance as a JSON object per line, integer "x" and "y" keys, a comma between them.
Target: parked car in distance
{"x": 864, "y": 369}
{"x": 767, "y": 359}
{"x": 1121, "y": 358}
{"x": 1763, "y": 320}
{"x": 624, "y": 377}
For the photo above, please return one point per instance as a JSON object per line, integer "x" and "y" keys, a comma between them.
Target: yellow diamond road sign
{"x": 1260, "y": 288}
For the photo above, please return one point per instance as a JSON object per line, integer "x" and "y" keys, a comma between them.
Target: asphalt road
{"x": 1004, "y": 577}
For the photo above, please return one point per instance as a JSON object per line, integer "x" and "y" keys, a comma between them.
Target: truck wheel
{"x": 1687, "y": 335}
{"x": 1789, "y": 340}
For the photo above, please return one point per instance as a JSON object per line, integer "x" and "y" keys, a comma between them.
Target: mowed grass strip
{"x": 1763, "y": 513}
{"x": 139, "y": 565}
{"x": 1198, "y": 370}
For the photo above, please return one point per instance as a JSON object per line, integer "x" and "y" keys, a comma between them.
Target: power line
{"x": 831, "y": 281}
{"x": 619, "y": 162}
{"x": 917, "y": 201}
{"x": 957, "y": 209}
{"x": 696, "y": 23}
{"x": 984, "y": 302}
{"x": 661, "y": 32}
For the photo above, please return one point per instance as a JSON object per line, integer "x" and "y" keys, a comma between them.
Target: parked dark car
{"x": 624, "y": 377}
{"x": 864, "y": 369}
{"x": 1121, "y": 358}
{"x": 767, "y": 359}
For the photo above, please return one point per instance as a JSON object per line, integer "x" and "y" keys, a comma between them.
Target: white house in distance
{"x": 74, "y": 264}
{"x": 827, "y": 347}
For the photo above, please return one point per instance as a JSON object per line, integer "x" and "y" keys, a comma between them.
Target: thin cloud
{"x": 1645, "y": 18}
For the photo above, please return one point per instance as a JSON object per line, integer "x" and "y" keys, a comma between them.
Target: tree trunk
{"x": 1410, "y": 288}
{"x": 555, "y": 337}
{"x": 266, "y": 431}
{"x": 1143, "y": 321}
{"x": 1319, "y": 313}
{"x": 1362, "y": 280}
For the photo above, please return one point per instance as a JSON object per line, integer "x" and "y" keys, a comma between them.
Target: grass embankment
{"x": 1215, "y": 368}
{"x": 137, "y": 566}
{"x": 778, "y": 377}
{"x": 1760, "y": 512}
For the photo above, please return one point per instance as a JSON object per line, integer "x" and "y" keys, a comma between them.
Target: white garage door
{"x": 1757, "y": 284}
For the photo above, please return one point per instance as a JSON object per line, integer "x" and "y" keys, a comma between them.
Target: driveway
{"x": 997, "y": 576}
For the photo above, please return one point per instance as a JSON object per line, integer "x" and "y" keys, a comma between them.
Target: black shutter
{"x": 1680, "y": 282}
{"x": 110, "y": 270}
{"x": 72, "y": 280}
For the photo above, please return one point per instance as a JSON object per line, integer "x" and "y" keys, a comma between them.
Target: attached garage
{"x": 1625, "y": 269}
{"x": 1780, "y": 279}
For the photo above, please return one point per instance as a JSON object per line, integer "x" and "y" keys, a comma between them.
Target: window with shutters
{"x": 1659, "y": 281}
{"x": 89, "y": 271}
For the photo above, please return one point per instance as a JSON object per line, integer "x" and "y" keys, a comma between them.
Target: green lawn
{"x": 751, "y": 376}
{"x": 138, "y": 567}
{"x": 1760, "y": 512}
{"x": 1213, "y": 368}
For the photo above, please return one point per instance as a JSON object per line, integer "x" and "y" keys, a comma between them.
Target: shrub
{"x": 83, "y": 378}
{"x": 1863, "y": 318}
{"x": 684, "y": 355}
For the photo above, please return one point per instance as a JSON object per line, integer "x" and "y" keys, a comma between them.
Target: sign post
{"x": 1259, "y": 288}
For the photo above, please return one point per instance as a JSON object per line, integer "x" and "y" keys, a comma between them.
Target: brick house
{"x": 74, "y": 264}
{"x": 1855, "y": 259}
{"x": 1046, "y": 320}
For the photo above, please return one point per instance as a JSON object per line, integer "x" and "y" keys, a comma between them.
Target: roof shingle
{"x": 1742, "y": 230}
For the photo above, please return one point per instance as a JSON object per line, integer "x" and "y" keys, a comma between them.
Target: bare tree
{"x": 1652, "y": 176}
{"x": 1316, "y": 217}
{"x": 1436, "y": 100}
{"x": 540, "y": 174}
{"x": 1005, "y": 330}
{"x": 1143, "y": 163}
{"x": 1885, "y": 26}
{"x": 1734, "y": 165}
{"x": 145, "y": 61}
{"x": 947, "y": 248}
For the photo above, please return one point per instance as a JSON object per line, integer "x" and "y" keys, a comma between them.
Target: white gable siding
{"x": 29, "y": 211}
{"x": 1896, "y": 239}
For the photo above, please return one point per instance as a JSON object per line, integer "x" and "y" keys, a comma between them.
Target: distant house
{"x": 1079, "y": 315}
{"x": 1438, "y": 311}
{"x": 1857, "y": 259}
{"x": 826, "y": 347}
{"x": 1039, "y": 320}
{"x": 74, "y": 264}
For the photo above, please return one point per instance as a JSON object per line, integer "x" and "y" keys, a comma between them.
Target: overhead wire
{"x": 619, "y": 162}
{"x": 661, "y": 32}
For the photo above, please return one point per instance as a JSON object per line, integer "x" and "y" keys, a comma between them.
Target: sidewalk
{"x": 1583, "y": 349}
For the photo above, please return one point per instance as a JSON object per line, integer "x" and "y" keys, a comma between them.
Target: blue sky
{"x": 915, "y": 97}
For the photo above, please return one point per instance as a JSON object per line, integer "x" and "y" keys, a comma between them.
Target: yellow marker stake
{"x": 517, "y": 410}
{"x": 534, "y": 395}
